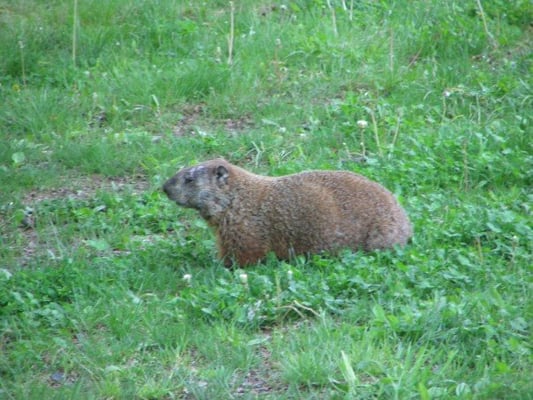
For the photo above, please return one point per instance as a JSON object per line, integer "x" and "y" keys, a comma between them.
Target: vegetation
{"x": 109, "y": 291}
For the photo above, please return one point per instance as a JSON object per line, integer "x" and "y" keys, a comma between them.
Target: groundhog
{"x": 304, "y": 213}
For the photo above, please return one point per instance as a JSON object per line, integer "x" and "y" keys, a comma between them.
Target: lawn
{"x": 110, "y": 291}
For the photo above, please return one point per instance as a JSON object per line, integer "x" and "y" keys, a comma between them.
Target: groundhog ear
{"x": 222, "y": 175}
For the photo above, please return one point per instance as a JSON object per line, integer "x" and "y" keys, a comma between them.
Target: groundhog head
{"x": 204, "y": 187}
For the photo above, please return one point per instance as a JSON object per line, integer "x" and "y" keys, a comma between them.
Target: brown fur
{"x": 295, "y": 214}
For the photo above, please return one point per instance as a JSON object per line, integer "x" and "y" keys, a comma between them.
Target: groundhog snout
{"x": 169, "y": 187}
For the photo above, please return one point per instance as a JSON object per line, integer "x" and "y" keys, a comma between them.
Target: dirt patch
{"x": 194, "y": 121}
{"x": 187, "y": 125}
{"x": 81, "y": 188}
{"x": 236, "y": 125}
{"x": 34, "y": 243}
{"x": 261, "y": 379}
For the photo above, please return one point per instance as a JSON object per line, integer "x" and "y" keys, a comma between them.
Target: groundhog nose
{"x": 167, "y": 187}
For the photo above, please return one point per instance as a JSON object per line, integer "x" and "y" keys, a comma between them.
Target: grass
{"x": 107, "y": 290}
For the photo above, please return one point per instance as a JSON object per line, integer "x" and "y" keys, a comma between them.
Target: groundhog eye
{"x": 188, "y": 179}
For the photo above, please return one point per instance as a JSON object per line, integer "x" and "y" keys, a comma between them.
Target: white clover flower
{"x": 187, "y": 278}
{"x": 243, "y": 278}
{"x": 362, "y": 124}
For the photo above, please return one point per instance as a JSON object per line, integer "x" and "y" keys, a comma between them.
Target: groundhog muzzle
{"x": 304, "y": 213}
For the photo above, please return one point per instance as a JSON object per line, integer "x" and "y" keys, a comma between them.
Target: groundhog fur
{"x": 304, "y": 213}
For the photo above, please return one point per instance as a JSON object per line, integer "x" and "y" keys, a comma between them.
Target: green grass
{"x": 107, "y": 290}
